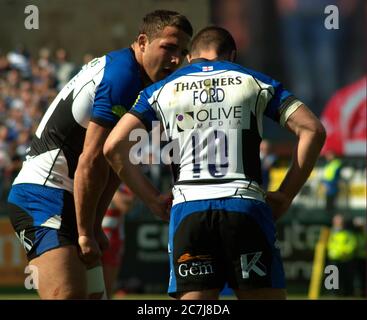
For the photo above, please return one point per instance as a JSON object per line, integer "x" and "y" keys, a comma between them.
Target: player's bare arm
{"x": 116, "y": 150}
{"x": 91, "y": 178}
{"x": 311, "y": 137}
{"x": 106, "y": 198}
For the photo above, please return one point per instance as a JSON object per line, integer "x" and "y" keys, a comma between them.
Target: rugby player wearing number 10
{"x": 222, "y": 222}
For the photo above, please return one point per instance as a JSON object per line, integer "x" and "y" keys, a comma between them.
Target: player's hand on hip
{"x": 90, "y": 252}
{"x": 161, "y": 207}
{"x": 278, "y": 202}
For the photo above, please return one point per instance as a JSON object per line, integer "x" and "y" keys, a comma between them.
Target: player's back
{"x": 213, "y": 111}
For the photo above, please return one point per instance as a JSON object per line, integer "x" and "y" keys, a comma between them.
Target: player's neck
{"x": 210, "y": 55}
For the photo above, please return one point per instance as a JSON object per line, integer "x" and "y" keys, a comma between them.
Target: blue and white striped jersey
{"x": 102, "y": 92}
{"x": 214, "y": 111}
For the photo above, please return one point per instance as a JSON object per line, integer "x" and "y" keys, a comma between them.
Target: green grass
{"x": 34, "y": 296}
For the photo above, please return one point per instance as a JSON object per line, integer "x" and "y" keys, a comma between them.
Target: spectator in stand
{"x": 341, "y": 248}
{"x": 5, "y": 161}
{"x": 64, "y": 68}
{"x": 331, "y": 181}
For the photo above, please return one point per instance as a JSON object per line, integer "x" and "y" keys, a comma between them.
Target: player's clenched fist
{"x": 90, "y": 251}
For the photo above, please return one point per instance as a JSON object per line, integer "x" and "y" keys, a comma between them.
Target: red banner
{"x": 344, "y": 118}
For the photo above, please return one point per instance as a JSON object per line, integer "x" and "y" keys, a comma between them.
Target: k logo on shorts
{"x": 250, "y": 261}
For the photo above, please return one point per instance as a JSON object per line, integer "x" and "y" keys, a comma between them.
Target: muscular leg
{"x": 212, "y": 294}
{"x": 262, "y": 294}
{"x": 61, "y": 274}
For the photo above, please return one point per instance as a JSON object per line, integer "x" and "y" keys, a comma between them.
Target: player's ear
{"x": 142, "y": 41}
{"x": 188, "y": 58}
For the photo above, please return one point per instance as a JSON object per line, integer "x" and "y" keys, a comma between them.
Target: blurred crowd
{"x": 27, "y": 86}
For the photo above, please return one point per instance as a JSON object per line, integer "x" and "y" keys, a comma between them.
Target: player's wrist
{"x": 86, "y": 230}
{"x": 288, "y": 196}
{"x": 86, "y": 237}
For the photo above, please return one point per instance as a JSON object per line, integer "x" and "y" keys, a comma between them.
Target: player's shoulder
{"x": 121, "y": 65}
{"x": 122, "y": 56}
{"x": 255, "y": 74}
{"x": 258, "y": 76}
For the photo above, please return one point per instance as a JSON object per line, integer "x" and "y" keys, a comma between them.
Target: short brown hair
{"x": 156, "y": 21}
{"x": 213, "y": 37}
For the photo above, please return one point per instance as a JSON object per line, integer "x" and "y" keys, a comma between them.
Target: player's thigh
{"x": 261, "y": 294}
{"x": 61, "y": 274}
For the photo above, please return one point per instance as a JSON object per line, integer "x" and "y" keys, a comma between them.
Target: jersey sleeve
{"x": 144, "y": 110}
{"x": 102, "y": 110}
{"x": 112, "y": 96}
{"x": 281, "y": 103}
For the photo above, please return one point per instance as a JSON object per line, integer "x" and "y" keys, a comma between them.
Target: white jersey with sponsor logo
{"x": 212, "y": 113}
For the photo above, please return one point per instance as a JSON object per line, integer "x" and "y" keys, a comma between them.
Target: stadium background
{"x": 31, "y": 74}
